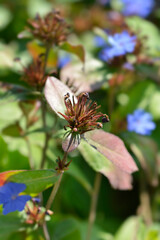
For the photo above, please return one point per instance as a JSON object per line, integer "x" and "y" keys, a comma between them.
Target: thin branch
{"x": 43, "y": 105}
{"x": 94, "y": 199}
{"x": 54, "y": 192}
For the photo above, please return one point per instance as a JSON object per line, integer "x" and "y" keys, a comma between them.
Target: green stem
{"x": 43, "y": 105}
{"x": 56, "y": 186}
{"x": 54, "y": 192}
{"x": 94, "y": 200}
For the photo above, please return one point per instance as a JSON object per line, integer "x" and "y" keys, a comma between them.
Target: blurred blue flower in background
{"x": 140, "y": 122}
{"x": 63, "y": 60}
{"x": 9, "y": 197}
{"x": 119, "y": 44}
{"x": 140, "y": 8}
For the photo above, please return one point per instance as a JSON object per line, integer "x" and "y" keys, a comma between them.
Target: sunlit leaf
{"x": 5, "y": 17}
{"x": 54, "y": 92}
{"x": 35, "y": 180}
{"x": 5, "y": 175}
{"x": 133, "y": 226}
{"x": 35, "y": 49}
{"x": 78, "y": 50}
{"x": 113, "y": 148}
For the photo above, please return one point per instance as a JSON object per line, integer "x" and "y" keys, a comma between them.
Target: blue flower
{"x": 140, "y": 122}
{"x": 119, "y": 44}
{"x": 140, "y": 8}
{"x": 9, "y": 197}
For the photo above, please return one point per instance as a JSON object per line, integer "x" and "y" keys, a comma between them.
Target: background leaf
{"x": 78, "y": 50}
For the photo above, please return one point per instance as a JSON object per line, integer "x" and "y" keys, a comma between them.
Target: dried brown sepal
{"x": 62, "y": 166}
{"x": 52, "y": 29}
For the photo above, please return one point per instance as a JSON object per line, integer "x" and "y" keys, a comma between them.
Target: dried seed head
{"x": 82, "y": 115}
{"x": 52, "y": 29}
{"x": 34, "y": 73}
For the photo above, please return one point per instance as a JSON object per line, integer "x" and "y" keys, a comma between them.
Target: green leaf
{"x": 132, "y": 228}
{"x": 5, "y": 17}
{"x": 154, "y": 108}
{"x": 153, "y": 232}
{"x": 8, "y": 225}
{"x": 77, "y": 173}
{"x": 145, "y": 149}
{"x": 36, "y": 180}
{"x": 78, "y": 50}
{"x": 13, "y": 130}
{"x": 117, "y": 178}
{"x": 67, "y": 230}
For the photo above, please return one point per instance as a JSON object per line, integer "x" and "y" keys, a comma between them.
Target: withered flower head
{"x": 52, "y": 29}
{"x": 34, "y": 73}
{"x": 35, "y": 213}
{"x": 82, "y": 116}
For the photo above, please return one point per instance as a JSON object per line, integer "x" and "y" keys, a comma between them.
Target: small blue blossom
{"x": 119, "y": 44}
{"x": 140, "y": 122}
{"x": 140, "y": 8}
{"x": 63, "y": 60}
{"x": 9, "y": 197}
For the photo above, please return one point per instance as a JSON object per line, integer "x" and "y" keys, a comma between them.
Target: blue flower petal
{"x": 140, "y": 8}
{"x": 118, "y": 45}
{"x": 16, "y": 204}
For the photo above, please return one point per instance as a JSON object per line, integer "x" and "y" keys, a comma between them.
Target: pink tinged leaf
{"x": 117, "y": 178}
{"x": 71, "y": 142}
{"x": 54, "y": 92}
{"x": 113, "y": 148}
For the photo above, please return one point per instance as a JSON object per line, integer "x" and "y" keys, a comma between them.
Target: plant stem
{"x": 43, "y": 105}
{"x": 45, "y": 231}
{"x": 54, "y": 192}
{"x": 94, "y": 199}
